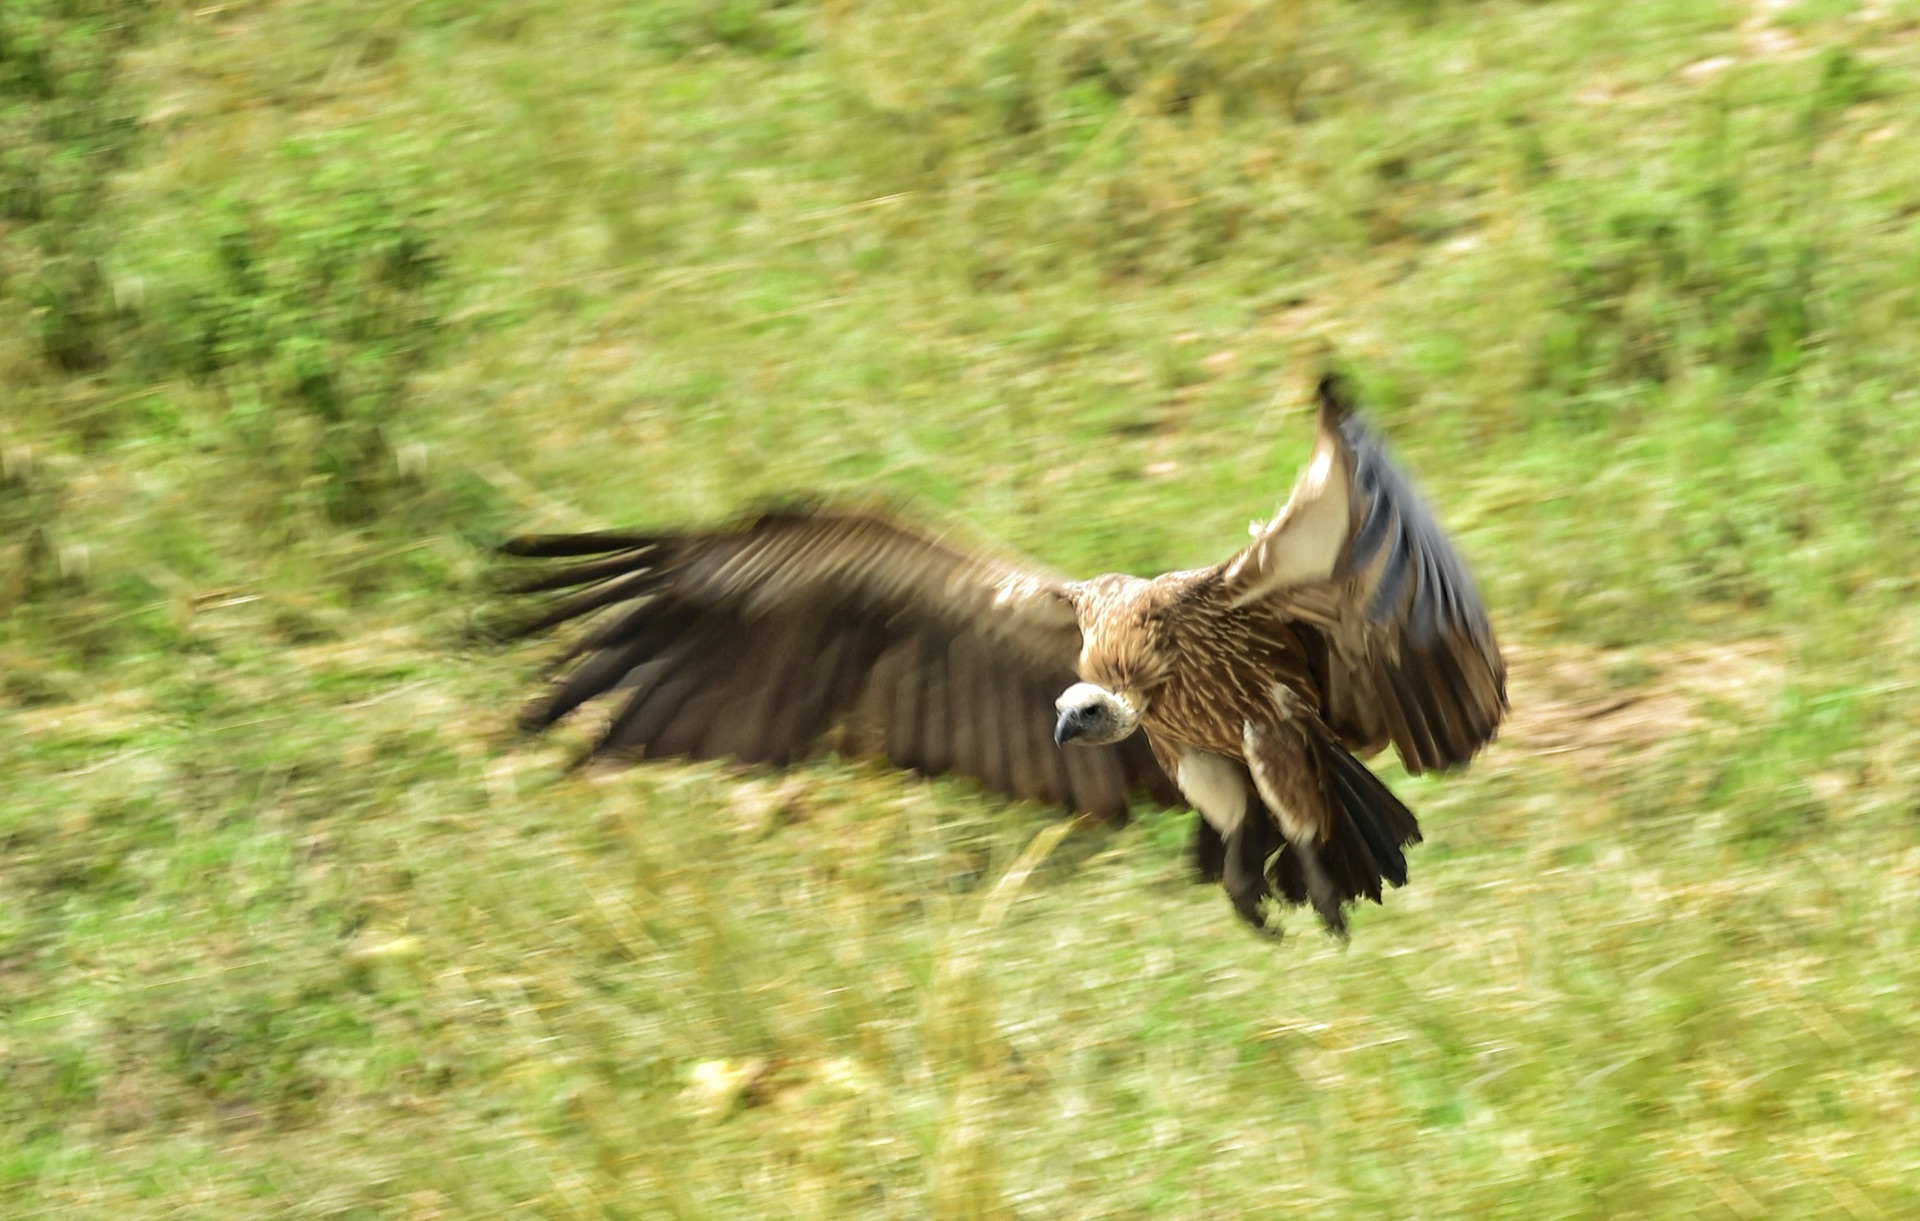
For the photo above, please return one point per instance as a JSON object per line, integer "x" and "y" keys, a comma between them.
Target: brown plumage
{"x": 1348, "y": 623}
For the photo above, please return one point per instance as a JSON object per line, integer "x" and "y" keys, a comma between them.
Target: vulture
{"x": 1248, "y": 690}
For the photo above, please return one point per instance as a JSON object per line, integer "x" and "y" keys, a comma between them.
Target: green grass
{"x": 301, "y": 305}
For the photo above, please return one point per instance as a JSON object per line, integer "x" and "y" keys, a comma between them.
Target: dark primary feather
{"x": 765, "y": 642}
{"x": 1426, "y": 644}
{"x": 1412, "y": 656}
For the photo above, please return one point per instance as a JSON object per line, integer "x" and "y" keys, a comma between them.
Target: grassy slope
{"x": 303, "y": 302}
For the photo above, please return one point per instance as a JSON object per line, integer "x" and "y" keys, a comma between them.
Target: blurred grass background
{"x": 301, "y": 304}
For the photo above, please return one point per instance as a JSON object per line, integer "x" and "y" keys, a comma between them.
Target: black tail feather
{"x": 1363, "y": 848}
{"x": 1384, "y": 823}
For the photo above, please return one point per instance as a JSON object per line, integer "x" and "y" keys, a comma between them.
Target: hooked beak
{"x": 1068, "y": 727}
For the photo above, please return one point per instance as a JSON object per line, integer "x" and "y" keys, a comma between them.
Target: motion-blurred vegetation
{"x": 301, "y": 304}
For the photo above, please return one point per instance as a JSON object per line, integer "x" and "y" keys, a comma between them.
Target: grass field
{"x": 304, "y": 304}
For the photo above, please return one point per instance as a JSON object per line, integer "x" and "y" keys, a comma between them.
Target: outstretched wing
{"x": 767, "y": 641}
{"x": 1356, "y": 553}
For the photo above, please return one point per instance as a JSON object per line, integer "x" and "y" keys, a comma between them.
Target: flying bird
{"x": 1246, "y": 690}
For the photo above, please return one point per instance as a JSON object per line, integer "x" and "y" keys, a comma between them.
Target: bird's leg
{"x": 1245, "y": 874}
{"x": 1320, "y": 887}
{"x": 1209, "y": 851}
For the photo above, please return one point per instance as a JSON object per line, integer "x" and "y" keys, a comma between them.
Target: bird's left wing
{"x": 1357, "y": 554}
{"x": 764, "y": 642}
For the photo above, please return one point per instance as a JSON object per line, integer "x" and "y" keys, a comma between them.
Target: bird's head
{"x": 1094, "y": 716}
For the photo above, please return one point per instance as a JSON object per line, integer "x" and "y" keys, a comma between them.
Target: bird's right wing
{"x": 1358, "y": 555}
{"x": 765, "y": 642}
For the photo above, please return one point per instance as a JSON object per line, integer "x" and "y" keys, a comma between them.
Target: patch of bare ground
{"x": 1592, "y": 704}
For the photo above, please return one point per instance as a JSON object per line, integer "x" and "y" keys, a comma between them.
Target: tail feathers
{"x": 1362, "y": 849}
{"x": 1383, "y": 824}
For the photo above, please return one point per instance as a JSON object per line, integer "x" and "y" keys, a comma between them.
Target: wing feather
{"x": 898, "y": 683}
{"x": 769, "y": 640}
{"x": 996, "y": 766}
{"x": 624, "y": 589}
{"x": 936, "y": 738}
{"x": 661, "y": 688}
{"x": 963, "y": 717}
{"x": 1357, "y": 554}
{"x": 1017, "y": 705}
